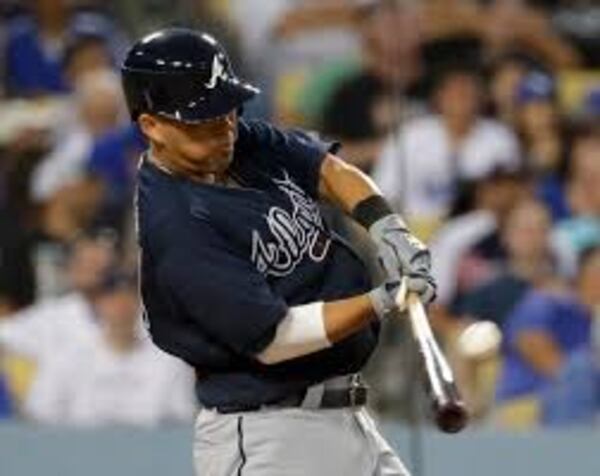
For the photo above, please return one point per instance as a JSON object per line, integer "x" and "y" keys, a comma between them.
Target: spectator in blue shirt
{"x": 575, "y": 395}
{"x": 529, "y": 262}
{"x": 545, "y": 337}
{"x": 36, "y": 45}
{"x": 543, "y": 139}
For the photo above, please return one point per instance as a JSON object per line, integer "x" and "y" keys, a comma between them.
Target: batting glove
{"x": 389, "y": 298}
{"x": 403, "y": 255}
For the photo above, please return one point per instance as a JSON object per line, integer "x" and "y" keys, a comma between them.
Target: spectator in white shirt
{"x": 118, "y": 377}
{"x": 52, "y": 325}
{"x": 423, "y": 165}
{"x": 32, "y": 337}
{"x": 495, "y": 195}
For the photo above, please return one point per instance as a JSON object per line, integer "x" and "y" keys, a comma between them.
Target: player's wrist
{"x": 371, "y": 210}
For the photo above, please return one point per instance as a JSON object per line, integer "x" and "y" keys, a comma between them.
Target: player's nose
{"x": 224, "y": 124}
{"x": 230, "y": 120}
{"x": 228, "y": 125}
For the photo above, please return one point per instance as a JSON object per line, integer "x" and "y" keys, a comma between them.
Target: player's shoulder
{"x": 261, "y": 134}
{"x": 257, "y": 135}
{"x": 263, "y": 150}
{"x": 252, "y": 127}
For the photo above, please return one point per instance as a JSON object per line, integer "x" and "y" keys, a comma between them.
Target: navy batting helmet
{"x": 181, "y": 74}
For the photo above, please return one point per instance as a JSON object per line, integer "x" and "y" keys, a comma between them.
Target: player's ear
{"x": 151, "y": 128}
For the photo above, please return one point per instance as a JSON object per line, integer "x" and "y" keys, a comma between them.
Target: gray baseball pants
{"x": 292, "y": 442}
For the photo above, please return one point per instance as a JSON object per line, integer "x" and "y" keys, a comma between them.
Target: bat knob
{"x": 451, "y": 417}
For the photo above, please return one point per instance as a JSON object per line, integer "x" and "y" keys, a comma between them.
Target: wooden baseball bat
{"x": 449, "y": 411}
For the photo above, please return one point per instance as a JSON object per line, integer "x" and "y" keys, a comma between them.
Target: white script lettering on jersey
{"x": 218, "y": 72}
{"x": 295, "y": 235}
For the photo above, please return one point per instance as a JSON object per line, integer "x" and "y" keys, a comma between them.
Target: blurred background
{"x": 479, "y": 120}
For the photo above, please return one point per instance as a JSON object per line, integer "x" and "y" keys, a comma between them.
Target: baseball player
{"x": 242, "y": 279}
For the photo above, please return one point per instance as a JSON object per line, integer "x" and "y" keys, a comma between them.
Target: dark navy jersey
{"x": 221, "y": 265}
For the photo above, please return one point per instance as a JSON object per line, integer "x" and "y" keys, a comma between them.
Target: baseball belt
{"x": 338, "y": 392}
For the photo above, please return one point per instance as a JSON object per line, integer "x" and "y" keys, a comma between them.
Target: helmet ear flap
{"x": 240, "y": 111}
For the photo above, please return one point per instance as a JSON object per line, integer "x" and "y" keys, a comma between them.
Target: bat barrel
{"x": 449, "y": 411}
{"x": 450, "y": 416}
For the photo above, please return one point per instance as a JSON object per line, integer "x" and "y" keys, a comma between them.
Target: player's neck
{"x": 162, "y": 163}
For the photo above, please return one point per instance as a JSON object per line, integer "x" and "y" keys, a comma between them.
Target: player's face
{"x": 193, "y": 149}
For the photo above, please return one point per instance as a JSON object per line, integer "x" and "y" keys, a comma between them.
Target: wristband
{"x": 371, "y": 209}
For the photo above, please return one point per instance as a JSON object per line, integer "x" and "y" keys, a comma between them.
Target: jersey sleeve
{"x": 296, "y": 151}
{"x": 221, "y": 292}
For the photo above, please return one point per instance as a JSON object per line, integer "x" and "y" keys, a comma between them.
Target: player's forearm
{"x": 347, "y": 316}
{"x": 400, "y": 253}
{"x": 317, "y": 326}
{"x": 344, "y": 185}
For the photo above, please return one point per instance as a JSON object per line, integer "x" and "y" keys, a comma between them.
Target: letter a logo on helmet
{"x": 218, "y": 72}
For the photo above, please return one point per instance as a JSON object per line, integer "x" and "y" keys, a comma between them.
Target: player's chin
{"x": 220, "y": 160}
{"x": 209, "y": 161}
{"x": 217, "y": 163}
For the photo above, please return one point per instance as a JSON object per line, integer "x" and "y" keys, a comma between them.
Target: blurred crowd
{"x": 479, "y": 120}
